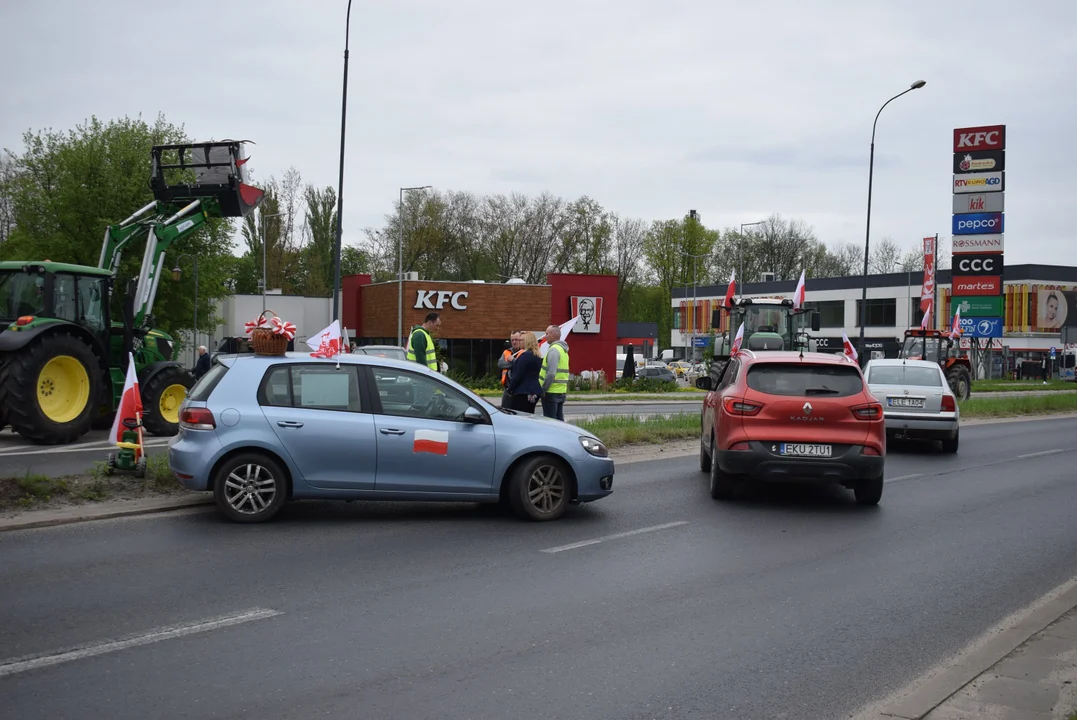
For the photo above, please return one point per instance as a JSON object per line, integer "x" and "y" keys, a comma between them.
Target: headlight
{"x": 594, "y": 447}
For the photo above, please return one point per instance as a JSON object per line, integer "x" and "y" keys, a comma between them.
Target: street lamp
{"x": 340, "y": 181}
{"x": 740, "y": 251}
{"x": 177, "y": 273}
{"x": 400, "y": 267}
{"x": 867, "y": 232}
{"x": 263, "y": 217}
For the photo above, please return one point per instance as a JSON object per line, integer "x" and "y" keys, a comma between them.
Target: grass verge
{"x": 1020, "y": 385}
{"x": 33, "y": 490}
{"x": 998, "y": 407}
{"x": 620, "y": 430}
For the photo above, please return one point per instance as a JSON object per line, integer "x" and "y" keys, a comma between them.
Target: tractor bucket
{"x": 217, "y": 170}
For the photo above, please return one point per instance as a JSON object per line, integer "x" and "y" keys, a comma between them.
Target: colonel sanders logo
{"x": 589, "y": 310}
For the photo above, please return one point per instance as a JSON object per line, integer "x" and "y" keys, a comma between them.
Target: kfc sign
{"x": 988, "y": 137}
{"x": 977, "y": 285}
{"x": 978, "y": 264}
{"x": 589, "y": 311}
{"x": 436, "y": 299}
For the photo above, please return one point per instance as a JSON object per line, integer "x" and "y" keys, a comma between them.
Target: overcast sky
{"x": 737, "y": 110}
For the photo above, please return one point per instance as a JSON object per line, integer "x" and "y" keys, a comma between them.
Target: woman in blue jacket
{"x": 524, "y": 388}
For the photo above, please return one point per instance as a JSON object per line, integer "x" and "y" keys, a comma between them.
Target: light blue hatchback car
{"x": 259, "y": 431}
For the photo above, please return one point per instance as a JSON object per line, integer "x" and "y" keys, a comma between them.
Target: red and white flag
{"x": 731, "y": 290}
{"x": 130, "y": 402}
{"x": 798, "y": 294}
{"x": 955, "y": 328}
{"x": 566, "y": 328}
{"x": 927, "y": 314}
{"x": 927, "y": 289}
{"x": 737, "y": 341}
{"x": 847, "y": 347}
{"x": 327, "y": 343}
{"x": 431, "y": 441}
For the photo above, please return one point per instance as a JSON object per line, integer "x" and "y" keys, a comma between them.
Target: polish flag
{"x": 566, "y": 328}
{"x": 847, "y": 347}
{"x": 130, "y": 403}
{"x": 327, "y": 342}
{"x": 728, "y": 302}
{"x": 431, "y": 441}
{"x": 955, "y": 328}
{"x": 927, "y": 315}
{"x": 737, "y": 341}
{"x": 798, "y": 294}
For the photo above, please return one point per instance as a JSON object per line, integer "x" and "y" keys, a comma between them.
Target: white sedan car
{"x": 917, "y": 401}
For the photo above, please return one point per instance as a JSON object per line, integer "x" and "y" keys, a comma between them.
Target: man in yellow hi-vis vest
{"x": 421, "y": 348}
{"x": 553, "y": 377}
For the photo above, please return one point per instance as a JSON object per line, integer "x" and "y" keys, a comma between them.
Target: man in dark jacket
{"x": 201, "y": 367}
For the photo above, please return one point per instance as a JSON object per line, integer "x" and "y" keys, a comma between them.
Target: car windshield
{"x": 804, "y": 379}
{"x": 21, "y": 294}
{"x": 905, "y": 375}
{"x": 391, "y": 352}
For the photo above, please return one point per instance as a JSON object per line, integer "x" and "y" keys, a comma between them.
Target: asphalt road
{"x": 790, "y": 603}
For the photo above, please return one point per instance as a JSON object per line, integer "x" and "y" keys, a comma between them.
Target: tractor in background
{"x": 63, "y": 357}
{"x": 936, "y": 346}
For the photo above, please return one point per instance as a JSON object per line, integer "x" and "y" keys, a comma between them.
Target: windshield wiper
{"x": 820, "y": 391}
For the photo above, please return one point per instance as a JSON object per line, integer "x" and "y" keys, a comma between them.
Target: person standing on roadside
{"x": 553, "y": 375}
{"x": 524, "y": 388}
{"x": 504, "y": 364}
{"x": 421, "y": 348}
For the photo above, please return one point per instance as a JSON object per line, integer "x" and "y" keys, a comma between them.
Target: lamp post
{"x": 177, "y": 273}
{"x": 400, "y": 267}
{"x": 340, "y": 181}
{"x": 263, "y": 217}
{"x": 740, "y": 250}
{"x": 867, "y": 232}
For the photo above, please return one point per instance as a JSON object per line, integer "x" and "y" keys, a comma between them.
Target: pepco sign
{"x": 978, "y": 224}
{"x": 987, "y": 137}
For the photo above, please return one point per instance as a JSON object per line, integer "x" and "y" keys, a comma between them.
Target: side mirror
{"x": 716, "y": 318}
{"x": 815, "y": 321}
{"x": 474, "y": 415}
{"x": 703, "y": 382}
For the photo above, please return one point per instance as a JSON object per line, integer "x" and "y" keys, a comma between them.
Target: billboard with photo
{"x": 1056, "y": 308}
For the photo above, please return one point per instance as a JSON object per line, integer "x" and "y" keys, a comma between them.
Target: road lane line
{"x": 11, "y": 667}
{"x": 1039, "y": 454}
{"x": 54, "y": 450}
{"x": 904, "y": 477}
{"x": 615, "y": 536}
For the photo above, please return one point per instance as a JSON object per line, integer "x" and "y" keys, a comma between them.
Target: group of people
{"x": 527, "y": 375}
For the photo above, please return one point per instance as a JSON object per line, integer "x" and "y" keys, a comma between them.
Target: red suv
{"x": 792, "y": 416}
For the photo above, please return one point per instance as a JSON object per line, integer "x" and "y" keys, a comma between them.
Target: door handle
{"x": 390, "y": 431}
{"x": 289, "y": 424}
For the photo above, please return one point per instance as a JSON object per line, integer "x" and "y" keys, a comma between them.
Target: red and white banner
{"x": 327, "y": 343}
{"x": 130, "y": 402}
{"x": 927, "y": 289}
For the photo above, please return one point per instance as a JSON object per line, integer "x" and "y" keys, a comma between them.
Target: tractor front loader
{"x": 63, "y": 358}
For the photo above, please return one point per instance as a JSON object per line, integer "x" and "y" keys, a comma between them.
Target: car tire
{"x": 704, "y": 457}
{"x": 950, "y": 444}
{"x": 868, "y": 492}
{"x": 722, "y": 484}
{"x": 541, "y": 488}
{"x": 250, "y": 488}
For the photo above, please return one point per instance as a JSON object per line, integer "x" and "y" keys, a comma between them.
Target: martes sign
{"x": 436, "y": 299}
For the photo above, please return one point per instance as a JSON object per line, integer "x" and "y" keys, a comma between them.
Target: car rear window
{"x": 903, "y": 375}
{"x": 800, "y": 379}
{"x": 205, "y": 385}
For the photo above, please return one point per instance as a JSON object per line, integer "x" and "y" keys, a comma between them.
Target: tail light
{"x": 197, "y": 419}
{"x": 733, "y": 406}
{"x": 948, "y": 404}
{"x": 866, "y": 450}
{"x": 869, "y": 411}
{"x": 741, "y": 446}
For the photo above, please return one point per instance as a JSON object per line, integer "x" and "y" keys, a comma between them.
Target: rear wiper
{"x": 820, "y": 391}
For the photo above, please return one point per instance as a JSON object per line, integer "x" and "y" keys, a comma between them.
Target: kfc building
{"x": 478, "y": 317}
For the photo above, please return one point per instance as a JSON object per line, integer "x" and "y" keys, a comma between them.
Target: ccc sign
{"x": 977, "y": 264}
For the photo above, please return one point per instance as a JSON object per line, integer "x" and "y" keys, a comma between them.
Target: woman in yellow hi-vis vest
{"x": 421, "y": 348}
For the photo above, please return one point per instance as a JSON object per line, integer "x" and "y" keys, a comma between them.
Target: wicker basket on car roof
{"x": 265, "y": 341}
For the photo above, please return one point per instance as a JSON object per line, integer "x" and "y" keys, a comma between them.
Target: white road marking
{"x": 615, "y": 536}
{"x": 69, "y": 449}
{"x": 11, "y": 667}
{"x": 1039, "y": 454}
{"x": 904, "y": 477}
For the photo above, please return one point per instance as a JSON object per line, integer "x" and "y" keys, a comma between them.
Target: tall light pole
{"x": 740, "y": 252}
{"x": 177, "y": 273}
{"x": 867, "y": 232}
{"x": 262, "y": 217}
{"x": 340, "y": 181}
{"x": 400, "y": 267}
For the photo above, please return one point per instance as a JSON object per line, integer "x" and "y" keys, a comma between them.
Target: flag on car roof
{"x": 737, "y": 341}
{"x": 327, "y": 342}
{"x": 847, "y": 347}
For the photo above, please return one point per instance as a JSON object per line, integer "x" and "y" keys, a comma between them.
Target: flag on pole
{"x": 728, "y": 302}
{"x": 737, "y": 341}
{"x": 955, "y": 328}
{"x": 847, "y": 347}
{"x": 327, "y": 342}
{"x": 130, "y": 402}
{"x": 927, "y": 314}
{"x": 798, "y": 294}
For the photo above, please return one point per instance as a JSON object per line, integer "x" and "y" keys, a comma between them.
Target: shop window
{"x": 880, "y": 312}
{"x": 831, "y": 313}
{"x": 915, "y": 313}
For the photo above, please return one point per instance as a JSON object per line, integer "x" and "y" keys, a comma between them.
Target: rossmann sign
{"x": 978, "y": 243}
{"x": 978, "y": 224}
{"x": 984, "y": 137}
{"x": 988, "y": 182}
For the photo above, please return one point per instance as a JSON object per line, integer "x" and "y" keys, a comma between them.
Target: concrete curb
{"x": 68, "y": 516}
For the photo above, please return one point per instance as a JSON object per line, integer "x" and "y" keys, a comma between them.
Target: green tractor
{"x": 63, "y": 357}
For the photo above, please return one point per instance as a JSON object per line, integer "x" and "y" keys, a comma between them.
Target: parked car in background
{"x": 259, "y": 431}
{"x": 386, "y": 351}
{"x": 917, "y": 400}
{"x": 679, "y": 368}
{"x": 782, "y": 415}
{"x": 661, "y": 374}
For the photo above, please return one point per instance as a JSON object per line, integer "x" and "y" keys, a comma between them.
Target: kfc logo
{"x": 988, "y": 137}
{"x": 589, "y": 311}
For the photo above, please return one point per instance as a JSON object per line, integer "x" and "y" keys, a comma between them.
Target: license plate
{"x": 905, "y": 402}
{"x": 805, "y": 450}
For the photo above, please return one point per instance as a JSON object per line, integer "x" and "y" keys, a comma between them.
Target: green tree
{"x": 321, "y": 231}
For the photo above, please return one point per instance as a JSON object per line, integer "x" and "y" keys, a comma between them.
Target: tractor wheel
{"x": 162, "y": 396}
{"x": 960, "y": 382}
{"x": 50, "y": 389}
